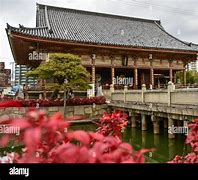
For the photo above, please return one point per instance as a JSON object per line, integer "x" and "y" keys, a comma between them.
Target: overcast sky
{"x": 178, "y": 17}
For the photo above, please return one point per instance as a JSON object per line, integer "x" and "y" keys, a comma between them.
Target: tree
{"x": 67, "y": 72}
{"x": 63, "y": 68}
{"x": 191, "y": 77}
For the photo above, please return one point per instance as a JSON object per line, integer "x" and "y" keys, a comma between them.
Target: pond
{"x": 166, "y": 149}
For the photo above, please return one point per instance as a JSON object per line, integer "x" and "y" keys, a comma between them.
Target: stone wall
{"x": 88, "y": 111}
{"x": 169, "y": 97}
{"x": 185, "y": 96}
{"x": 157, "y": 96}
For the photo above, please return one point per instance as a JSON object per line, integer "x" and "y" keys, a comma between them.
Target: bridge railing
{"x": 185, "y": 96}
{"x": 169, "y": 96}
{"x": 156, "y": 96}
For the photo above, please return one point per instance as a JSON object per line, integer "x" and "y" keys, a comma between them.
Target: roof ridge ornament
{"x": 21, "y": 26}
{"x": 8, "y": 26}
{"x": 47, "y": 21}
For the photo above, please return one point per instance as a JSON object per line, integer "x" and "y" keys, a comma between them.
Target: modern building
{"x": 5, "y": 75}
{"x": 109, "y": 45}
{"x": 194, "y": 65}
{"x": 20, "y": 77}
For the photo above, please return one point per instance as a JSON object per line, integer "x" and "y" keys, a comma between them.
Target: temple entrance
{"x": 143, "y": 78}
{"x": 161, "y": 78}
{"x": 103, "y": 76}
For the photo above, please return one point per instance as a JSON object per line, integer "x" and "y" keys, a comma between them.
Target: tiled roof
{"x": 194, "y": 46}
{"x": 90, "y": 27}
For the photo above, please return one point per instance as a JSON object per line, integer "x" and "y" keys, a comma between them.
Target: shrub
{"x": 58, "y": 102}
{"x": 46, "y": 140}
{"x": 192, "y": 140}
{"x": 113, "y": 124}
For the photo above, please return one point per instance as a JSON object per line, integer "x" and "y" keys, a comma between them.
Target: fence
{"x": 169, "y": 96}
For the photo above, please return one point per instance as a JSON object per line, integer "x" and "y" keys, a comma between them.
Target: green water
{"x": 166, "y": 149}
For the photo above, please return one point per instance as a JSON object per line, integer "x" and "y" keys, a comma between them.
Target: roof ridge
{"x": 41, "y": 27}
{"x": 102, "y": 14}
{"x": 162, "y": 28}
{"x": 23, "y": 27}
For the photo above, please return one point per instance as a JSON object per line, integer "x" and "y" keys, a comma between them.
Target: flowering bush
{"x": 113, "y": 124}
{"x": 46, "y": 140}
{"x": 192, "y": 140}
{"x": 57, "y": 102}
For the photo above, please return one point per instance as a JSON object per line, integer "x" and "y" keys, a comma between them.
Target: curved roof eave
{"x": 100, "y": 45}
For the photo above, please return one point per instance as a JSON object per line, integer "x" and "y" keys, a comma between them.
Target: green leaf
{"x": 60, "y": 67}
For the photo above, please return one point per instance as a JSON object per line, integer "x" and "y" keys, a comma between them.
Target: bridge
{"x": 175, "y": 107}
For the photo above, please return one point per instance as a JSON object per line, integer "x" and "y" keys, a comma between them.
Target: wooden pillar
{"x": 184, "y": 76}
{"x": 93, "y": 57}
{"x": 152, "y": 77}
{"x": 136, "y": 77}
{"x": 171, "y": 70}
{"x": 171, "y": 74}
{"x": 135, "y": 74}
{"x": 112, "y": 75}
{"x": 93, "y": 74}
{"x": 175, "y": 78}
{"x": 151, "y": 70}
{"x": 144, "y": 123}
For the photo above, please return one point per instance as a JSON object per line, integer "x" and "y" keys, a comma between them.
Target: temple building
{"x": 110, "y": 46}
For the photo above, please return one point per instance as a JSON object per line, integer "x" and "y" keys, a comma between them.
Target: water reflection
{"x": 171, "y": 148}
{"x": 156, "y": 140}
{"x": 166, "y": 148}
{"x": 144, "y": 135}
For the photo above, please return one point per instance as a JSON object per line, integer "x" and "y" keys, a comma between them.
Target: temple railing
{"x": 167, "y": 97}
